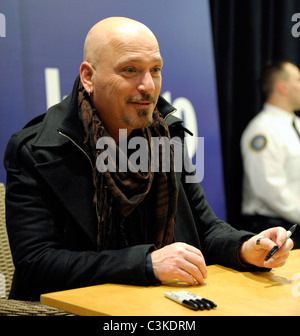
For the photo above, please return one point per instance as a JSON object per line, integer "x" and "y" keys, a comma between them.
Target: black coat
{"x": 51, "y": 219}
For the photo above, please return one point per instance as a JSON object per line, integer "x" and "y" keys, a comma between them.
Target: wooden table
{"x": 236, "y": 293}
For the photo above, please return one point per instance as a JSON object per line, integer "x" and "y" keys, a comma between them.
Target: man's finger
{"x": 264, "y": 243}
{"x": 197, "y": 266}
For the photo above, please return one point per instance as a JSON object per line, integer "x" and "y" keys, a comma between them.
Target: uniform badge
{"x": 258, "y": 143}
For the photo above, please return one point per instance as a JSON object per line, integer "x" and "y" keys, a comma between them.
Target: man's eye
{"x": 129, "y": 70}
{"x": 156, "y": 70}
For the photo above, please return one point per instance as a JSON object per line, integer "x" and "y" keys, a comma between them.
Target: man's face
{"x": 293, "y": 85}
{"x": 127, "y": 82}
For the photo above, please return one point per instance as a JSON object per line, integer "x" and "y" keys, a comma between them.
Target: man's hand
{"x": 254, "y": 254}
{"x": 179, "y": 261}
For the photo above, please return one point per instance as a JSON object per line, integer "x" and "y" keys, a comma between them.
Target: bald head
{"x": 121, "y": 72}
{"x": 108, "y": 32}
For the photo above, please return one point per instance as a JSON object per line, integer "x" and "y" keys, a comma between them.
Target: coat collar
{"x": 61, "y": 117}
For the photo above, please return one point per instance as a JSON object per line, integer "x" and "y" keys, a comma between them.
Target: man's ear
{"x": 282, "y": 87}
{"x": 86, "y": 76}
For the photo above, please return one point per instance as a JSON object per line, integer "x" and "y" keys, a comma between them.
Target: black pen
{"x": 208, "y": 304}
{"x": 276, "y": 248}
{"x": 201, "y": 305}
{"x": 177, "y": 298}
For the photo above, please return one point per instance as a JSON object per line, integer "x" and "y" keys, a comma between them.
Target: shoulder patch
{"x": 258, "y": 143}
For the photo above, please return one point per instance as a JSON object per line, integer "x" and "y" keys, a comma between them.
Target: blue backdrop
{"x": 42, "y": 50}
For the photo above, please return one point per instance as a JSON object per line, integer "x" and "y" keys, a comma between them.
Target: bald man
{"x": 72, "y": 224}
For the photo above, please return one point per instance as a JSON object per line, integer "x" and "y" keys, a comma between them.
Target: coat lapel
{"x": 63, "y": 166}
{"x": 70, "y": 178}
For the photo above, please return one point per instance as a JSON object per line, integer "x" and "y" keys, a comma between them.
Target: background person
{"x": 270, "y": 147}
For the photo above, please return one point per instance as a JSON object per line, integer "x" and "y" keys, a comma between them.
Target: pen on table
{"x": 201, "y": 305}
{"x": 200, "y": 302}
{"x": 195, "y": 297}
{"x": 276, "y": 248}
{"x": 177, "y": 298}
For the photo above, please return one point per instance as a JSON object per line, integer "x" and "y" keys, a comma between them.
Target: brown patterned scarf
{"x": 118, "y": 195}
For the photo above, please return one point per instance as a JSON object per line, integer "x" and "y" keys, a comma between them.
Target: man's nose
{"x": 146, "y": 83}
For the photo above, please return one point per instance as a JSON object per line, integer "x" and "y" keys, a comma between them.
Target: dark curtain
{"x": 246, "y": 35}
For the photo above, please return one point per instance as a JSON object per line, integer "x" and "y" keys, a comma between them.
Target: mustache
{"x": 142, "y": 97}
